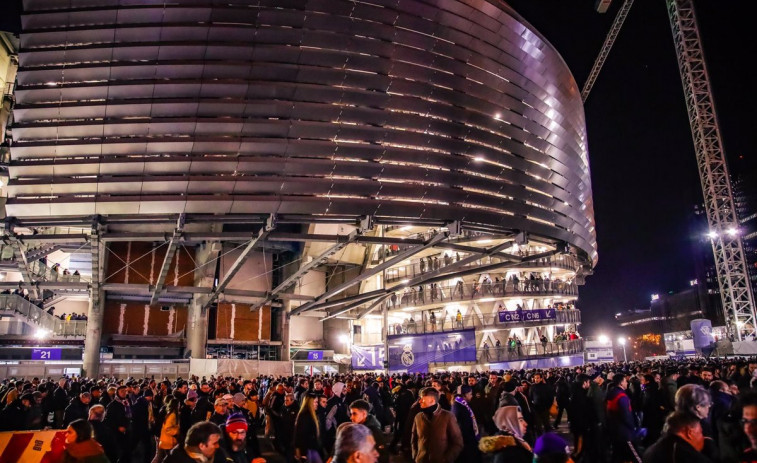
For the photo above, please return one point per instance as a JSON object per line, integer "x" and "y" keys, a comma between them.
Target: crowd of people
{"x": 666, "y": 411}
{"x": 40, "y": 304}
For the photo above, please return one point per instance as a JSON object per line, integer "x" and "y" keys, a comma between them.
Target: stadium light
{"x": 604, "y": 339}
{"x": 344, "y": 338}
{"x": 732, "y": 232}
{"x": 712, "y": 235}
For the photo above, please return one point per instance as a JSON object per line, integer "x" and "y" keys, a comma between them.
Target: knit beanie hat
{"x": 236, "y": 422}
{"x": 550, "y": 444}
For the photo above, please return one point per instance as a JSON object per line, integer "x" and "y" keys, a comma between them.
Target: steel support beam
{"x": 237, "y": 265}
{"x": 172, "y": 246}
{"x": 292, "y": 279}
{"x": 373, "y": 271}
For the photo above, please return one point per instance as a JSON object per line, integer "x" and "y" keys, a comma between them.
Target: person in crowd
{"x": 287, "y": 418}
{"x": 542, "y": 397}
{"x": 103, "y": 434}
{"x": 118, "y": 417}
{"x": 577, "y": 412}
{"x": 551, "y": 448}
{"x": 621, "y": 422}
{"x": 354, "y": 444}
{"x": 81, "y": 446}
{"x": 220, "y": 411}
{"x": 435, "y": 436}
{"x": 234, "y": 448}
{"x": 682, "y": 443}
{"x": 60, "y": 402}
{"x": 466, "y": 420}
{"x": 360, "y": 414}
{"x": 200, "y": 445}
{"x": 169, "y": 430}
{"x": 77, "y": 409}
{"x": 508, "y": 444}
{"x": 307, "y": 436}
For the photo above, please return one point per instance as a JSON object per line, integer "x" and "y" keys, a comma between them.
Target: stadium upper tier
{"x": 412, "y": 110}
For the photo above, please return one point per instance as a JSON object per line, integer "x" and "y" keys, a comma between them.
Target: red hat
{"x": 236, "y": 422}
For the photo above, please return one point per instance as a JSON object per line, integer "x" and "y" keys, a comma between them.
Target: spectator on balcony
{"x": 432, "y": 321}
{"x": 447, "y": 259}
{"x": 422, "y": 265}
{"x": 459, "y": 288}
{"x": 436, "y": 263}
{"x": 421, "y": 295}
{"x": 476, "y": 288}
{"x": 459, "y": 319}
{"x": 51, "y": 310}
{"x": 544, "y": 342}
{"x": 485, "y": 352}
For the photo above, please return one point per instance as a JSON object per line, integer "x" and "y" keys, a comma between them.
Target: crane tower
{"x": 730, "y": 261}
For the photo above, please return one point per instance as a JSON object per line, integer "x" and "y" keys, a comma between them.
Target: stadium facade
{"x": 268, "y": 176}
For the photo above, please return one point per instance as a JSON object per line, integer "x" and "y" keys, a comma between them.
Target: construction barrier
{"x": 32, "y": 446}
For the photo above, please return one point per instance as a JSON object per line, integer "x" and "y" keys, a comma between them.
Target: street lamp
{"x": 622, "y": 342}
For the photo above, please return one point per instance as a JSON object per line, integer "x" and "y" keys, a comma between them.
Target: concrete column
{"x": 93, "y": 336}
{"x": 197, "y": 327}
{"x": 385, "y": 335}
{"x": 285, "y": 347}
{"x": 197, "y": 319}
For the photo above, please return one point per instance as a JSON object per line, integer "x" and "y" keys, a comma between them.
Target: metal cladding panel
{"x": 455, "y": 110}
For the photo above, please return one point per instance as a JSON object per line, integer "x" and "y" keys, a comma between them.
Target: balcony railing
{"x": 41, "y": 318}
{"x": 441, "y": 323}
{"x": 529, "y": 351}
{"x": 435, "y": 295}
{"x": 416, "y": 269}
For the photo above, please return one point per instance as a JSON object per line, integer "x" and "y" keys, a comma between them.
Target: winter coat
{"x": 470, "y": 452}
{"x": 76, "y": 410}
{"x": 169, "y": 431}
{"x": 620, "y": 421}
{"x": 88, "y": 451}
{"x": 505, "y": 449}
{"x": 437, "y": 440}
{"x": 672, "y": 449}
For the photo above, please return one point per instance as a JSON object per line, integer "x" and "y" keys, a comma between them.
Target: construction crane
{"x": 606, "y": 47}
{"x": 730, "y": 260}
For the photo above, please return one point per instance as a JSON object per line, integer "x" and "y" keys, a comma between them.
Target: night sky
{"x": 644, "y": 173}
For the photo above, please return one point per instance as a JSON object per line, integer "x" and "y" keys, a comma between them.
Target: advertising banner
{"x": 513, "y": 316}
{"x": 414, "y": 352}
{"x": 701, "y": 331}
{"x": 368, "y": 357}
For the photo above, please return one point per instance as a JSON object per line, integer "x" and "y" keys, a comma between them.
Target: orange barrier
{"x": 32, "y": 446}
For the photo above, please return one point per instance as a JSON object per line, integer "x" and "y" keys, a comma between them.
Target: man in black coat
{"x": 468, "y": 426}
{"x": 683, "y": 442}
{"x": 118, "y": 418}
{"x": 78, "y": 409}
{"x": 60, "y": 402}
{"x": 542, "y": 396}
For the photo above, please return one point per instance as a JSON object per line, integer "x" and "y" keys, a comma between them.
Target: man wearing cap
{"x": 220, "y": 412}
{"x": 187, "y": 412}
{"x": 551, "y": 448}
{"x": 234, "y": 448}
{"x": 77, "y": 409}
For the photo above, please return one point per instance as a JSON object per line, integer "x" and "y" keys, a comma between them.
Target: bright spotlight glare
{"x": 603, "y": 338}
{"x": 344, "y": 338}
{"x": 712, "y": 235}
{"x": 479, "y": 159}
{"x": 622, "y": 341}
{"x": 41, "y": 334}
{"x": 732, "y": 232}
